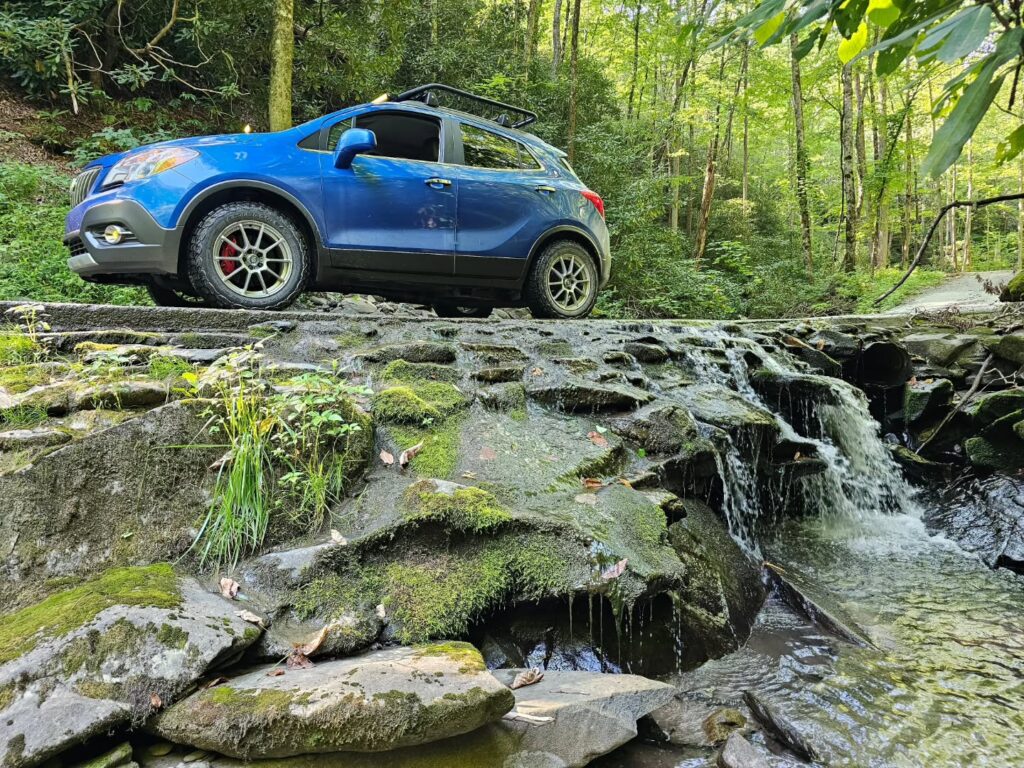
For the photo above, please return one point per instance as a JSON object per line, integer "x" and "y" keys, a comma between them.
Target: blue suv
{"x": 401, "y": 198}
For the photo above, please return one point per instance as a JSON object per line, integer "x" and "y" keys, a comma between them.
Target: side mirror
{"x": 354, "y": 141}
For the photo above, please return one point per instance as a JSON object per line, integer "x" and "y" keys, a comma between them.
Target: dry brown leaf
{"x": 298, "y": 660}
{"x": 337, "y": 538}
{"x": 469, "y": 475}
{"x": 625, "y": 482}
{"x": 598, "y": 439}
{"x": 592, "y": 482}
{"x": 229, "y": 588}
{"x": 387, "y": 458}
{"x": 527, "y": 677}
{"x": 614, "y": 571}
{"x": 275, "y": 672}
{"x": 155, "y": 701}
{"x": 223, "y": 460}
{"x": 797, "y": 456}
{"x": 409, "y": 454}
{"x": 311, "y": 647}
{"x": 215, "y": 682}
{"x": 251, "y": 617}
{"x": 587, "y": 498}
{"x": 913, "y": 381}
{"x": 821, "y": 345}
{"x": 488, "y": 454}
{"x": 537, "y": 372}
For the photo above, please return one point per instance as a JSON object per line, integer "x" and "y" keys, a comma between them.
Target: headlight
{"x": 148, "y": 163}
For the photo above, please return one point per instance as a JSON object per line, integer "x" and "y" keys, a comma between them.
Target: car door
{"x": 393, "y": 210}
{"x": 506, "y": 200}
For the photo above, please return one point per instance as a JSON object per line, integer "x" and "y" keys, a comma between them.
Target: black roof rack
{"x": 427, "y": 94}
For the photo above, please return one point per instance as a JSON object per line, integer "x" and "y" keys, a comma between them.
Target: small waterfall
{"x": 860, "y": 479}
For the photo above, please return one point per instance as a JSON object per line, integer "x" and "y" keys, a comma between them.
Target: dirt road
{"x": 964, "y": 292}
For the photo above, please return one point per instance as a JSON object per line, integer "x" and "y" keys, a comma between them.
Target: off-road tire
{"x": 536, "y": 291}
{"x": 202, "y": 271}
{"x": 453, "y": 310}
{"x": 166, "y": 297}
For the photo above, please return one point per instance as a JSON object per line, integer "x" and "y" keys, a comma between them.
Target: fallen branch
{"x": 935, "y": 226}
{"x": 960, "y": 406}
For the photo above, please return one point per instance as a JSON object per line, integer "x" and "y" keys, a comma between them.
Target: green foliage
{"x": 33, "y": 259}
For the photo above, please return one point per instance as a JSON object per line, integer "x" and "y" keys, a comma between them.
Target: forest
{"x": 757, "y": 159}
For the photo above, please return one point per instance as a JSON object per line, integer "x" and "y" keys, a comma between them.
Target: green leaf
{"x": 882, "y": 12}
{"x": 766, "y": 31}
{"x": 888, "y": 61}
{"x": 959, "y": 36}
{"x": 962, "y": 122}
{"x": 1011, "y": 146}
{"x": 806, "y": 45}
{"x": 849, "y": 48}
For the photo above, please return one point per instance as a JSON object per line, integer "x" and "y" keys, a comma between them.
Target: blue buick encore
{"x": 402, "y": 198}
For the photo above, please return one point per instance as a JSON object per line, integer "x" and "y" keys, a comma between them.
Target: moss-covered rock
{"x": 1014, "y": 290}
{"x": 455, "y": 507}
{"x": 380, "y": 701}
{"x": 924, "y": 400}
{"x": 412, "y": 352}
{"x": 400, "y": 405}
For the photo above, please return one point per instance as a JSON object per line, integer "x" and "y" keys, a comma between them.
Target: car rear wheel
{"x": 562, "y": 282}
{"x": 248, "y": 256}
{"x": 452, "y": 310}
{"x": 166, "y": 297}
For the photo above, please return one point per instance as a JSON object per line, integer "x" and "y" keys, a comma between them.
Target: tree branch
{"x": 935, "y": 226}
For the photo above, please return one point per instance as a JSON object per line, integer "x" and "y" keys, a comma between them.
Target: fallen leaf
{"x": 337, "y": 538}
{"x": 251, "y": 617}
{"x": 298, "y": 660}
{"x": 229, "y": 588}
{"x": 600, "y": 430}
{"x": 614, "y": 571}
{"x": 592, "y": 482}
{"x": 311, "y": 647}
{"x": 387, "y": 458}
{"x": 469, "y": 475}
{"x": 488, "y": 454}
{"x": 275, "y": 672}
{"x": 597, "y": 439}
{"x": 625, "y": 482}
{"x": 797, "y": 456}
{"x": 215, "y": 682}
{"x": 155, "y": 701}
{"x": 219, "y": 463}
{"x": 381, "y": 612}
{"x": 537, "y": 372}
{"x": 913, "y": 381}
{"x": 587, "y": 498}
{"x": 409, "y": 454}
{"x": 527, "y": 677}
{"x": 821, "y": 345}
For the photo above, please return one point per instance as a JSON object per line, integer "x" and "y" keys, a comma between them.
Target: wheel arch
{"x": 565, "y": 232}
{"x": 254, "y": 191}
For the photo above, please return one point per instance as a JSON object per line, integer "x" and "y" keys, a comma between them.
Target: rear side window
{"x": 483, "y": 149}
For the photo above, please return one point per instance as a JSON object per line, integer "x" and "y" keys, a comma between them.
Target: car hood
{"x": 248, "y": 140}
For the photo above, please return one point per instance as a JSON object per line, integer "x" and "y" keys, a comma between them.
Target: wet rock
{"x": 576, "y": 395}
{"x": 924, "y": 400}
{"x": 343, "y": 635}
{"x": 380, "y": 701}
{"x": 1014, "y": 290}
{"x": 780, "y": 727}
{"x": 120, "y": 394}
{"x": 274, "y": 326}
{"x": 985, "y": 516}
{"x": 646, "y": 352}
{"x": 817, "y": 604}
{"x": 413, "y": 352}
{"x": 196, "y": 356}
{"x": 510, "y": 397}
{"x": 724, "y": 408}
{"x": 998, "y": 446}
{"x": 918, "y": 467}
{"x": 720, "y": 724}
{"x": 1009, "y": 347}
{"x": 884, "y": 363}
{"x": 941, "y": 349}
{"x": 997, "y": 405}
{"x": 501, "y": 373}
{"x": 21, "y": 439}
{"x": 739, "y": 753}
{"x": 663, "y": 429}
{"x": 119, "y": 755}
{"x": 107, "y": 653}
{"x": 837, "y": 345}
{"x": 622, "y": 359}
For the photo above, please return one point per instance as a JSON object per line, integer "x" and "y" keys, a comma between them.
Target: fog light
{"x": 113, "y": 234}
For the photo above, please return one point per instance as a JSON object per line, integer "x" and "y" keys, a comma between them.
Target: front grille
{"x": 82, "y": 185}
{"x": 76, "y": 246}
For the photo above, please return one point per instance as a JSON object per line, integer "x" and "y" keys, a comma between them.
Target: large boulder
{"x": 1014, "y": 290}
{"x": 381, "y": 701}
{"x": 926, "y": 400}
{"x": 107, "y": 653}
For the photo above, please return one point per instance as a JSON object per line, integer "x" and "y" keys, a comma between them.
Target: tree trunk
{"x": 954, "y": 243}
{"x": 744, "y": 61}
{"x": 880, "y": 127}
{"x": 532, "y": 19}
{"x": 708, "y": 192}
{"x": 636, "y": 58}
{"x": 909, "y": 195}
{"x": 1020, "y": 218}
{"x": 862, "y": 153}
{"x": 673, "y": 211}
{"x": 556, "y": 38}
{"x": 801, "y": 159}
{"x": 574, "y": 78}
{"x": 965, "y": 263}
{"x": 746, "y": 142}
{"x": 282, "y": 54}
{"x": 847, "y": 142}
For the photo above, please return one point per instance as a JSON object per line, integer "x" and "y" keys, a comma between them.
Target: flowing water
{"x": 945, "y": 684}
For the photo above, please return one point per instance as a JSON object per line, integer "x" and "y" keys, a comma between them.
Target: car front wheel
{"x": 452, "y": 310}
{"x": 562, "y": 282}
{"x": 248, "y": 256}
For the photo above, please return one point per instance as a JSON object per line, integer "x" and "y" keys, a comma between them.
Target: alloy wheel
{"x": 569, "y": 282}
{"x": 252, "y": 259}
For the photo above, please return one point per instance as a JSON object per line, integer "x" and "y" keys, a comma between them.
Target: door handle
{"x": 438, "y": 183}
{"x": 545, "y": 189}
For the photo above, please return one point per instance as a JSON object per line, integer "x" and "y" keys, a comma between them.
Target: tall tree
{"x": 801, "y": 158}
{"x": 574, "y": 76}
{"x": 846, "y": 140}
{"x": 636, "y": 57}
{"x": 710, "y": 168}
{"x": 282, "y": 55}
{"x": 532, "y": 20}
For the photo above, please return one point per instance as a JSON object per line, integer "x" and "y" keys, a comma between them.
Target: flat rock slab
{"x": 566, "y": 720}
{"x": 104, "y": 655}
{"x": 398, "y": 697}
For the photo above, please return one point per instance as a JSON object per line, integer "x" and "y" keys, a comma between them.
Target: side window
{"x": 335, "y": 133}
{"x": 483, "y": 149}
{"x": 402, "y": 135}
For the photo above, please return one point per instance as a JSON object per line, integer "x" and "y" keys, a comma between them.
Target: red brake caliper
{"x": 227, "y": 264}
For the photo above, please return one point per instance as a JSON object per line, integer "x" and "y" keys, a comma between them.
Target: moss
{"x": 265, "y": 702}
{"x": 404, "y": 371}
{"x": 64, "y": 612}
{"x": 119, "y": 755}
{"x": 400, "y": 405}
{"x": 262, "y": 331}
{"x": 464, "y": 654}
{"x": 88, "y": 347}
{"x": 21, "y": 378}
{"x": 165, "y": 367}
{"x": 1014, "y": 290}
{"x": 440, "y": 452}
{"x": 17, "y": 347}
{"x": 7, "y": 694}
{"x": 15, "y": 749}
{"x": 170, "y": 636}
{"x": 465, "y": 509}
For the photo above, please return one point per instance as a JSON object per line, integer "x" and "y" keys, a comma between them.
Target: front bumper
{"x": 152, "y": 250}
